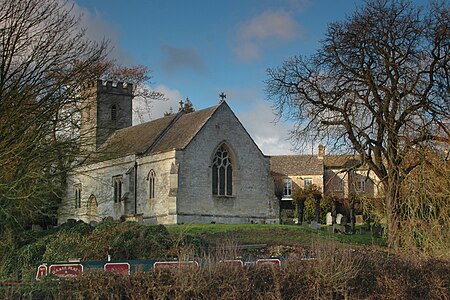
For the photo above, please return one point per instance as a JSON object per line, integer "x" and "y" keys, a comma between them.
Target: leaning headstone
{"x": 339, "y": 218}
{"x": 315, "y": 225}
{"x": 329, "y": 219}
{"x": 338, "y": 228}
{"x": 359, "y": 220}
{"x": 344, "y": 220}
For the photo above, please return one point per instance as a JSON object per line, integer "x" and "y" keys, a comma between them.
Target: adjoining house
{"x": 198, "y": 167}
{"x": 337, "y": 176}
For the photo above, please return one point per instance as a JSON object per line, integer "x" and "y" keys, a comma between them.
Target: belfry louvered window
{"x": 222, "y": 173}
{"x": 113, "y": 112}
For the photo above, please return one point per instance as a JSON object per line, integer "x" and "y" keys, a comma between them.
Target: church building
{"x": 197, "y": 167}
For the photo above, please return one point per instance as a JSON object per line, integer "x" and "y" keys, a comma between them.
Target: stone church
{"x": 198, "y": 167}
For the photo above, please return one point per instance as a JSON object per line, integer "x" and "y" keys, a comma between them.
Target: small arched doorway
{"x": 92, "y": 208}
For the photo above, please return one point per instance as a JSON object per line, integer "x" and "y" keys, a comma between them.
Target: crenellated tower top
{"x": 107, "y": 108}
{"x": 118, "y": 88}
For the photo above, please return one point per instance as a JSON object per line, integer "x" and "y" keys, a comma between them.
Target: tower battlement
{"x": 118, "y": 88}
{"x": 107, "y": 108}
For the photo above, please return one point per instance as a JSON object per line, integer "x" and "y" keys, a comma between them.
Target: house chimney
{"x": 321, "y": 153}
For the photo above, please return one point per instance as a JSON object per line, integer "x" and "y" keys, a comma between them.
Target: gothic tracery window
{"x": 117, "y": 185}
{"x": 222, "y": 173}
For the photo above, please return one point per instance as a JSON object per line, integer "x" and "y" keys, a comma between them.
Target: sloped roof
{"x": 184, "y": 130}
{"x": 171, "y": 132}
{"x": 341, "y": 161}
{"x": 296, "y": 165}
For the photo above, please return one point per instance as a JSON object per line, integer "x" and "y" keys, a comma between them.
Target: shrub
{"x": 310, "y": 210}
{"x": 336, "y": 273}
{"x": 135, "y": 241}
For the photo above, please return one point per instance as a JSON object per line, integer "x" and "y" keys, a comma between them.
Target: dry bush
{"x": 387, "y": 276}
{"x": 335, "y": 273}
{"x": 425, "y": 207}
{"x": 226, "y": 250}
{"x": 333, "y": 269}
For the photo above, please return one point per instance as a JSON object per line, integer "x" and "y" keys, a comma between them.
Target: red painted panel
{"x": 66, "y": 270}
{"x": 120, "y": 268}
{"x": 41, "y": 272}
{"x": 269, "y": 261}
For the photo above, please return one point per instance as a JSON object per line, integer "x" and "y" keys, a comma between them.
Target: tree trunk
{"x": 352, "y": 214}
{"x": 392, "y": 201}
{"x": 333, "y": 212}
{"x": 317, "y": 210}
{"x": 301, "y": 212}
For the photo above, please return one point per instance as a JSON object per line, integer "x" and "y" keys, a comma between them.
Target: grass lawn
{"x": 269, "y": 234}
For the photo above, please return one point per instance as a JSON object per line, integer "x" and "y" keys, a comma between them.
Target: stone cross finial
{"x": 181, "y": 105}
{"x": 222, "y": 96}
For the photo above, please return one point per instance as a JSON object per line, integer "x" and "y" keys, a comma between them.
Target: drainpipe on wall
{"x": 135, "y": 187}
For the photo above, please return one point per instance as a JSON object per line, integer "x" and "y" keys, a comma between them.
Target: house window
{"x": 77, "y": 191}
{"x": 287, "y": 188}
{"x": 361, "y": 185}
{"x": 113, "y": 112}
{"x": 222, "y": 173}
{"x": 338, "y": 185}
{"x": 117, "y": 184}
{"x": 307, "y": 182}
{"x": 151, "y": 184}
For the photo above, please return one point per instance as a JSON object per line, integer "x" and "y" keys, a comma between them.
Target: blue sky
{"x": 199, "y": 48}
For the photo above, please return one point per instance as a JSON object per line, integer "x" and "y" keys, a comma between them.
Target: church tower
{"x": 106, "y": 108}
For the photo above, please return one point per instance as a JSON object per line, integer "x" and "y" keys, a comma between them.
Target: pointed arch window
{"x": 113, "y": 112}
{"x": 222, "y": 173}
{"x": 77, "y": 190}
{"x": 117, "y": 185}
{"x": 151, "y": 184}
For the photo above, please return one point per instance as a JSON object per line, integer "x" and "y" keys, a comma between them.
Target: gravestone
{"x": 329, "y": 219}
{"x": 338, "y": 228}
{"x": 359, "y": 220}
{"x": 339, "y": 218}
{"x": 315, "y": 225}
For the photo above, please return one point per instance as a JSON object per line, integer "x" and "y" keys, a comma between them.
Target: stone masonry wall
{"x": 253, "y": 197}
{"x": 162, "y": 208}
{"x": 97, "y": 179}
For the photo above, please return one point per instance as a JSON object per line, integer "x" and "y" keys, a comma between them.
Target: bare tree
{"x": 45, "y": 60}
{"x": 379, "y": 84}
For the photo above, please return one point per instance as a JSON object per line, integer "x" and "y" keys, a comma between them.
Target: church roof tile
{"x": 164, "y": 134}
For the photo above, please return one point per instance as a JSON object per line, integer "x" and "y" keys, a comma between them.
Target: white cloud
{"x": 98, "y": 29}
{"x": 270, "y": 27}
{"x": 271, "y": 137}
{"x": 144, "y": 111}
{"x": 269, "y": 24}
